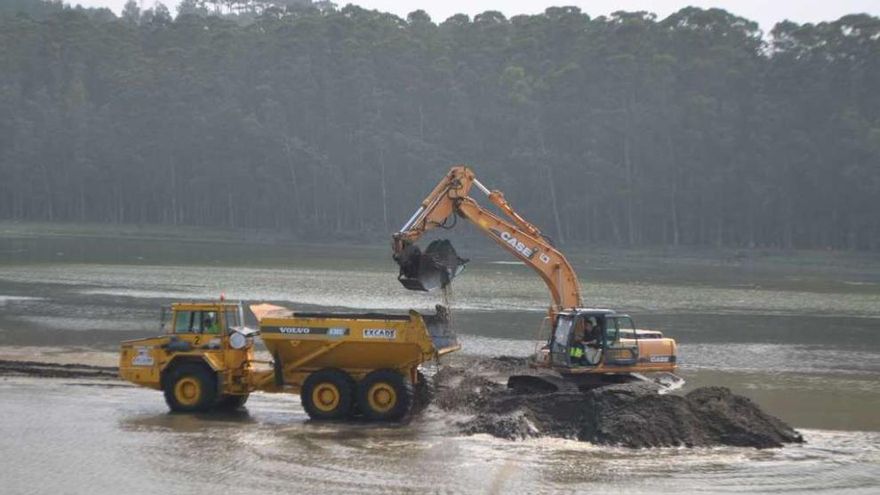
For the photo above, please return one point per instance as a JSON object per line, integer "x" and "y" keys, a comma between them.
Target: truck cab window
{"x": 233, "y": 318}
{"x": 196, "y": 322}
{"x": 183, "y": 321}
{"x": 210, "y": 322}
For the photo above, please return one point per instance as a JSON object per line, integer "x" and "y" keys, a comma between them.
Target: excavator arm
{"x": 513, "y": 233}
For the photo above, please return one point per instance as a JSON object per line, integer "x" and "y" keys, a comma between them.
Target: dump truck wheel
{"x": 231, "y": 402}
{"x": 328, "y": 394}
{"x": 190, "y": 388}
{"x": 385, "y": 395}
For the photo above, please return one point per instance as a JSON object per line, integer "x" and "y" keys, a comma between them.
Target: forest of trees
{"x": 318, "y": 120}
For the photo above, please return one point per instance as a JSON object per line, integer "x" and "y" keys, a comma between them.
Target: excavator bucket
{"x": 429, "y": 270}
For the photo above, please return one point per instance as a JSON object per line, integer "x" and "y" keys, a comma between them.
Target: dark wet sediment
{"x": 56, "y": 370}
{"x": 630, "y": 415}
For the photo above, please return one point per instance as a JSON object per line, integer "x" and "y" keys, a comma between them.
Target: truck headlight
{"x": 238, "y": 341}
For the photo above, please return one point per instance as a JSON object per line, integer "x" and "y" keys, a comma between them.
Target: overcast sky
{"x": 766, "y": 12}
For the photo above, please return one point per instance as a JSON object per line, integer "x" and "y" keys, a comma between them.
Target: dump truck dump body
{"x": 302, "y": 342}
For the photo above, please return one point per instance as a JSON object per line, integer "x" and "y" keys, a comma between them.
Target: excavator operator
{"x": 585, "y": 347}
{"x": 578, "y": 341}
{"x": 593, "y": 344}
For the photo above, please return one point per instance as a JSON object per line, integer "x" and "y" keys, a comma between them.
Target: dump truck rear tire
{"x": 328, "y": 394}
{"x": 231, "y": 402}
{"x": 190, "y": 387}
{"x": 385, "y": 395}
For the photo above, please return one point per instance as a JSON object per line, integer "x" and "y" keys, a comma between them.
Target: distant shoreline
{"x": 23, "y": 229}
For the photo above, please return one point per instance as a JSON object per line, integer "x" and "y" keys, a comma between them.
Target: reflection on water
{"x": 98, "y": 441}
{"x": 189, "y": 422}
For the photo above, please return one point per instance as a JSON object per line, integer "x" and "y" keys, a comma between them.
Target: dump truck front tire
{"x": 190, "y": 387}
{"x": 385, "y": 395}
{"x": 328, "y": 394}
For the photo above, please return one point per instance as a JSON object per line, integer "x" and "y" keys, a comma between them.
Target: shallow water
{"x": 98, "y": 439}
{"x": 802, "y": 342}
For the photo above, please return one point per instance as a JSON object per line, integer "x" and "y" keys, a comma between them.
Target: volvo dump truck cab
{"x": 203, "y": 358}
{"x": 341, "y": 365}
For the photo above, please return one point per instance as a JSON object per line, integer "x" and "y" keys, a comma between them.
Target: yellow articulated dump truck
{"x": 341, "y": 365}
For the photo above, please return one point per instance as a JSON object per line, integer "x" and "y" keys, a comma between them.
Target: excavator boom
{"x": 439, "y": 264}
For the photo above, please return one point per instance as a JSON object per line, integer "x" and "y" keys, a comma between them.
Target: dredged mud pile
{"x": 56, "y": 370}
{"x": 631, "y": 414}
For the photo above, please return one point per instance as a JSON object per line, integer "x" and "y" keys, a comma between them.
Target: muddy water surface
{"x": 801, "y": 341}
{"x": 85, "y": 437}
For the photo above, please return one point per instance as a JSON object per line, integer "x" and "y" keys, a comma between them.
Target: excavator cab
{"x": 612, "y": 341}
{"x": 429, "y": 270}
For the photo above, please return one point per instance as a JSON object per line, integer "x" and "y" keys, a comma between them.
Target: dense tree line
{"x": 696, "y": 129}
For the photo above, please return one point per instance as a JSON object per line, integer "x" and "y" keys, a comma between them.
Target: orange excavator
{"x": 587, "y": 347}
